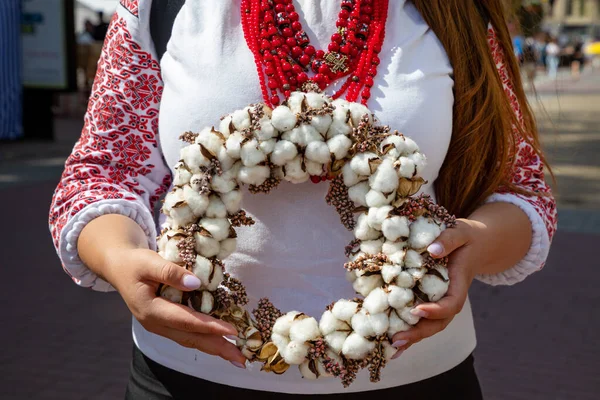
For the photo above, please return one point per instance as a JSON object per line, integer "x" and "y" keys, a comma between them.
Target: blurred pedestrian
{"x": 101, "y": 29}
{"x": 553, "y": 57}
{"x": 578, "y": 60}
{"x": 87, "y": 36}
{"x": 530, "y": 60}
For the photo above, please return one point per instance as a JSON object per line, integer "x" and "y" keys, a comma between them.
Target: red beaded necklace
{"x": 282, "y": 49}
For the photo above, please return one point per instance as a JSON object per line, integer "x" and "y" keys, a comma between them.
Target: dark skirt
{"x": 152, "y": 381}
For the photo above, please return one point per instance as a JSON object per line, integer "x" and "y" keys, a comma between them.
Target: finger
{"x": 177, "y": 316}
{"x": 449, "y": 240}
{"x": 424, "y": 329}
{"x": 163, "y": 271}
{"x": 449, "y": 305}
{"x": 209, "y": 344}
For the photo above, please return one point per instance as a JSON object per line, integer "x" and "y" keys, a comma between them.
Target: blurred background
{"x": 537, "y": 340}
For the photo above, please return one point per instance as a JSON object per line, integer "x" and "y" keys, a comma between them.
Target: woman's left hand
{"x": 465, "y": 250}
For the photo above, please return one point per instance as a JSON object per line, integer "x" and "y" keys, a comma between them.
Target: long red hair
{"x": 482, "y": 143}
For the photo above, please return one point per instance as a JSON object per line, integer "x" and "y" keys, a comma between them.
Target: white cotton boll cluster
{"x": 358, "y": 111}
{"x": 251, "y": 154}
{"x": 377, "y": 215}
{"x": 266, "y": 131}
{"x": 207, "y": 302}
{"x": 294, "y": 102}
{"x": 197, "y": 202}
{"x": 377, "y": 301}
{"x": 363, "y": 231}
{"x": 434, "y": 286}
{"x": 399, "y": 297}
{"x": 226, "y": 248}
{"x": 283, "y": 152}
{"x": 226, "y": 126}
{"x": 295, "y": 352}
{"x": 345, "y": 309}
{"x": 304, "y": 330}
{"x": 423, "y": 232}
{"x": 217, "y": 227}
{"x": 302, "y": 135}
{"x": 209, "y": 274}
{"x": 358, "y": 193}
{"x": 216, "y": 208}
{"x": 371, "y": 246}
{"x": 283, "y": 119}
{"x": 366, "y": 283}
{"x": 318, "y": 152}
{"x": 364, "y": 163}
{"x": 182, "y": 175}
{"x": 385, "y": 178}
{"x": 172, "y": 294}
{"x": 395, "y": 228}
{"x": 397, "y": 324}
{"x": 339, "y": 146}
{"x": 267, "y": 146}
{"x": 357, "y": 347}
{"x": 168, "y": 246}
{"x": 241, "y": 119}
{"x": 413, "y": 259}
{"x": 193, "y": 158}
{"x": 225, "y": 182}
{"x": 408, "y": 316}
{"x": 407, "y": 168}
{"x": 379, "y": 199}
{"x": 206, "y": 245}
{"x": 256, "y": 175}
{"x": 211, "y": 140}
{"x": 295, "y": 171}
{"x": 389, "y": 272}
{"x": 234, "y": 145}
{"x": 291, "y": 334}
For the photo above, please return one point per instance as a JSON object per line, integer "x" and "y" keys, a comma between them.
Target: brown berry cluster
{"x": 337, "y": 196}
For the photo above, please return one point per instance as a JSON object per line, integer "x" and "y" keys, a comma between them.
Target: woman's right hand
{"x": 137, "y": 272}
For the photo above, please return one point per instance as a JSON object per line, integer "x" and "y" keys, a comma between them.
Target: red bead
{"x": 297, "y": 51}
{"x": 286, "y": 66}
{"x": 264, "y": 33}
{"x": 365, "y": 19}
{"x": 273, "y": 84}
{"x": 346, "y": 49}
{"x": 336, "y": 37}
{"x": 267, "y": 56}
{"x": 296, "y": 26}
{"x": 304, "y": 59}
{"x": 319, "y": 54}
{"x": 291, "y": 42}
{"x": 290, "y": 8}
{"x": 309, "y": 50}
{"x": 293, "y": 17}
{"x": 268, "y": 18}
{"x": 340, "y": 23}
{"x": 276, "y": 42}
{"x": 269, "y": 70}
{"x": 367, "y": 10}
{"x": 333, "y": 47}
{"x": 366, "y": 93}
{"x": 377, "y": 48}
{"x": 319, "y": 78}
{"x": 272, "y": 30}
{"x": 369, "y": 81}
{"x": 301, "y": 78}
{"x": 372, "y": 71}
{"x": 265, "y": 45}
{"x": 353, "y": 51}
{"x": 375, "y": 60}
{"x": 287, "y": 32}
{"x": 279, "y": 8}
{"x": 324, "y": 69}
{"x": 296, "y": 69}
{"x": 285, "y": 49}
{"x": 275, "y": 100}
{"x": 344, "y": 14}
{"x": 315, "y": 179}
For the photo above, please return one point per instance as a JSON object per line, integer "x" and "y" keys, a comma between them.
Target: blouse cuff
{"x": 538, "y": 252}
{"x": 68, "y": 254}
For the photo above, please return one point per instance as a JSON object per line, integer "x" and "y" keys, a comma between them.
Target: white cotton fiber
{"x": 390, "y": 247}
{"x": 207, "y": 302}
{"x": 411, "y": 145}
{"x": 358, "y": 111}
{"x": 321, "y": 123}
{"x": 395, "y": 228}
{"x": 399, "y": 297}
{"x": 295, "y": 352}
{"x": 284, "y": 323}
{"x": 267, "y": 146}
{"x": 203, "y": 268}
{"x": 302, "y": 135}
{"x": 344, "y": 310}
{"x": 350, "y": 177}
{"x": 379, "y": 323}
{"x": 408, "y": 317}
{"x": 216, "y": 207}
{"x": 433, "y": 286}
{"x": 363, "y": 231}
{"x": 224, "y": 159}
{"x": 398, "y": 142}
{"x": 397, "y": 257}
{"x": 224, "y": 126}
{"x": 294, "y": 171}
{"x": 171, "y": 252}
{"x": 420, "y": 162}
{"x": 357, "y": 347}
{"x": 227, "y": 247}
{"x": 314, "y": 168}
{"x": 413, "y": 259}
{"x": 365, "y": 284}
{"x": 206, "y": 246}
{"x": 378, "y": 199}
{"x": 417, "y": 273}
{"x": 266, "y": 131}
{"x": 397, "y": 324}
{"x": 339, "y": 146}
{"x": 318, "y": 152}
{"x": 223, "y": 183}
{"x": 377, "y": 301}
{"x": 193, "y": 158}
{"x": 358, "y": 193}
{"x": 256, "y": 175}
{"x": 283, "y": 152}
{"x": 218, "y": 227}
{"x": 232, "y": 201}
{"x": 279, "y": 340}
{"x": 182, "y": 176}
{"x": 303, "y": 330}
{"x": 316, "y": 100}
{"x": 389, "y": 272}
{"x": 241, "y": 119}
{"x": 338, "y": 127}
{"x": 251, "y": 154}
{"x": 405, "y": 280}
{"x": 234, "y": 145}
{"x": 335, "y": 340}
{"x": 329, "y": 323}
{"x": 385, "y": 178}
{"x": 197, "y": 202}
{"x": 361, "y": 324}
{"x": 363, "y": 163}
{"x": 294, "y": 102}
{"x": 407, "y": 167}
{"x": 182, "y": 215}
{"x": 423, "y": 232}
{"x": 211, "y": 140}
{"x": 283, "y": 119}
{"x": 172, "y": 294}
{"x": 371, "y": 246}
{"x": 377, "y": 215}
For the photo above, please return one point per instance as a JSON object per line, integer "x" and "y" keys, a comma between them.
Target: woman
{"x": 468, "y": 114}
{"x": 553, "y": 51}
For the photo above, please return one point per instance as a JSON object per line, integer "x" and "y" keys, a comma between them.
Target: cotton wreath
{"x": 375, "y": 174}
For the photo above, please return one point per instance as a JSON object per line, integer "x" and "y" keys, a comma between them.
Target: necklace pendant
{"x": 336, "y": 61}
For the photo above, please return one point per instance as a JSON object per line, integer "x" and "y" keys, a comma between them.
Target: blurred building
{"x": 574, "y": 18}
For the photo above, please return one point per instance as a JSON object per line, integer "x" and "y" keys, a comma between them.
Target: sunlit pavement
{"x": 537, "y": 340}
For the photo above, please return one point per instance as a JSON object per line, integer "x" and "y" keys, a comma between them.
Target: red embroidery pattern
{"x": 132, "y": 6}
{"x": 527, "y": 169}
{"x": 116, "y": 156}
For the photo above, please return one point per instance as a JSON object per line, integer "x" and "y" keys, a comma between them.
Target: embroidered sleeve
{"x": 116, "y": 166}
{"x": 527, "y": 173}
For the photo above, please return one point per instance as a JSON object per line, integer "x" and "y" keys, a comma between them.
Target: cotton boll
{"x": 206, "y": 246}
{"x": 433, "y": 286}
{"x": 338, "y": 127}
{"x": 351, "y": 178}
{"x": 399, "y": 297}
{"x": 182, "y": 176}
{"x": 413, "y": 259}
{"x": 218, "y": 227}
{"x": 344, "y": 310}
{"x": 364, "y": 163}
{"x": 267, "y": 146}
{"x": 266, "y": 131}
{"x": 420, "y": 162}
{"x": 314, "y": 168}
{"x": 361, "y": 324}
{"x": 193, "y": 158}
{"x": 371, "y": 246}
{"x": 385, "y": 178}
{"x": 281, "y": 341}
{"x": 171, "y": 252}
{"x": 172, "y": 294}
{"x": 357, "y": 347}
{"x": 423, "y": 232}
{"x": 241, "y": 119}
{"x": 182, "y": 215}
{"x": 335, "y": 340}
{"x": 173, "y": 198}
{"x": 389, "y": 272}
{"x": 294, "y": 102}
{"x": 378, "y": 199}
{"x": 309, "y": 370}
{"x": 302, "y": 135}
{"x": 211, "y": 140}
{"x": 225, "y": 126}
{"x": 197, "y": 202}
{"x": 318, "y": 152}
{"x": 283, "y": 152}
{"x": 227, "y": 247}
{"x": 397, "y": 324}
{"x": 304, "y": 330}
{"x": 224, "y": 183}
{"x": 357, "y": 111}
{"x": 395, "y": 228}
{"x": 207, "y": 302}
{"x": 407, "y": 167}
{"x": 284, "y": 323}
{"x": 251, "y": 154}
{"x": 389, "y": 351}
{"x": 316, "y": 100}
{"x": 351, "y": 276}
{"x": 283, "y": 119}
{"x": 411, "y": 145}
{"x": 216, "y": 208}
{"x": 224, "y": 159}
{"x": 203, "y": 269}
{"x": 295, "y": 352}
{"x": 380, "y": 323}
{"x": 397, "y": 257}
{"x": 234, "y": 145}
{"x": 232, "y": 201}
{"x": 256, "y": 175}
{"x": 358, "y": 193}
{"x": 329, "y": 323}
{"x": 405, "y": 280}
{"x": 377, "y": 215}
{"x": 408, "y": 317}
{"x": 377, "y": 301}
{"x": 398, "y": 143}
{"x": 390, "y": 247}
{"x": 339, "y": 146}
{"x": 321, "y": 123}
{"x": 363, "y": 231}
{"x": 295, "y": 171}
{"x": 365, "y": 284}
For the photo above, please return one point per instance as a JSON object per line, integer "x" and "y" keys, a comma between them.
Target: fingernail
{"x": 238, "y": 364}
{"x": 398, "y": 354}
{"x": 419, "y": 313}
{"x": 232, "y": 337}
{"x": 191, "y": 282}
{"x": 436, "y": 249}
{"x": 399, "y": 343}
